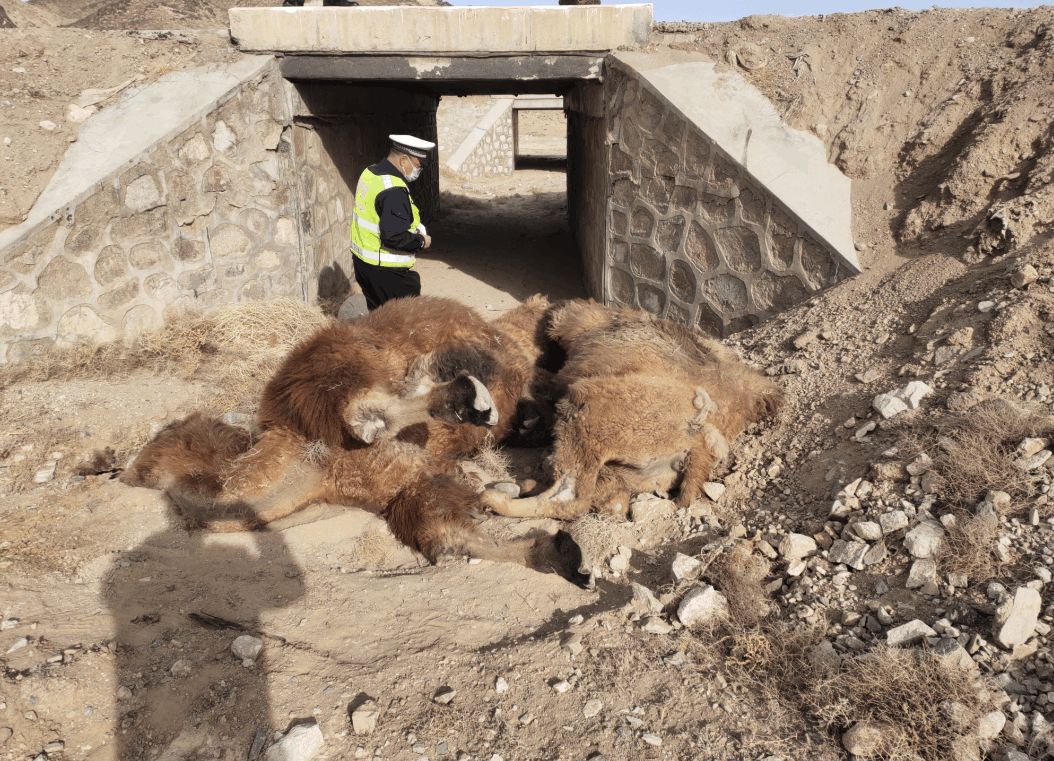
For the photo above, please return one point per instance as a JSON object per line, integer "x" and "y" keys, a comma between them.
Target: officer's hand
{"x": 428, "y": 240}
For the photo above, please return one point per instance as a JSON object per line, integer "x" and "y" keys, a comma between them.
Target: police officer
{"x": 386, "y": 229}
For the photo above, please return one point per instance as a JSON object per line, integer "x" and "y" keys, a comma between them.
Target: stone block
{"x": 229, "y": 241}
{"x": 83, "y": 323}
{"x": 149, "y": 255}
{"x": 62, "y": 280}
{"x": 143, "y": 194}
{"x": 110, "y": 265}
{"x": 119, "y": 296}
{"x": 18, "y": 312}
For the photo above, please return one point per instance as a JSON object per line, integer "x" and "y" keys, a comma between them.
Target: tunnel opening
{"x": 505, "y": 198}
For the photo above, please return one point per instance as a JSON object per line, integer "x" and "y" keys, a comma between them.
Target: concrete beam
{"x": 437, "y": 30}
{"x": 538, "y": 103}
{"x": 498, "y": 74}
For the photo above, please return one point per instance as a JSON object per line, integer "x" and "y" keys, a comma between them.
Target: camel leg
{"x": 709, "y": 448}
{"x": 433, "y": 515}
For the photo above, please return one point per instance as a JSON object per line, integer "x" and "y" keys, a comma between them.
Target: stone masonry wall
{"x": 206, "y": 219}
{"x": 691, "y": 236}
{"x": 488, "y": 148}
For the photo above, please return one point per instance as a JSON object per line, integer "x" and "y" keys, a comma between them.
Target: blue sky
{"x": 707, "y": 10}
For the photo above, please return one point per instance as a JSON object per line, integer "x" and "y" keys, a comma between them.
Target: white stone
{"x": 889, "y": 405}
{"x": 592, "y": 708}
{"x": 864, "y": 739}
{"x": 655, "y": 625}
{"x": 300, "y": 743}
{"x": 713, "y": 490}
{"x": 181, "y": 668}
{"x": 923, "y": 572}
{"x": 48, "y": 125}
{"x": 1016, "y": 619}
{"x": 685, "y": 567}
{"x": 914, "y": 393}
{"x": 869, "y": 531}
{"x": 990, "y": 725}
{"x": 893, "y": 521}
{"x": 45, "y": 474}
{"x": 985, "y": 306}
{"x": 1035, "y": 462}
{"x": 702, "y": 605}
{"x": 223, "y": 137}
{"x": 1030, "y": 446}
{"x": 246, "y": 647}
{"x": 645, "y": 599}
{"x": 560, "y": 686}
{"x": 924, "y": 540}
{"x": 796, "y": 546}
{"x": 18, "y": 311}
{"x": 364, "y": 718}
{"x": 142, "y": 194}
{"x": 652, "y": 739}
{"x": 444, "y": 695}
{"x": 850, "y": 553}
{"x": 19, "y": 643}
{"x": 501, "y": 685}
{"x": 909, "y": 634}
{"x": 76, "y": 114}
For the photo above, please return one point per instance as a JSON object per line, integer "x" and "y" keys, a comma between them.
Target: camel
{"x": 642, "y": 405}
{"x": 372, "y": 414}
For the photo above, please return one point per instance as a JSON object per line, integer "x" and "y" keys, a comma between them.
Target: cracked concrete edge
{"x": 438, "y": 29}
{"x": 736, "y": 117}
{"x": 113, "y": 139}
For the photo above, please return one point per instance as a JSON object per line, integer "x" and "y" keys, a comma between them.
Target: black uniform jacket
{"x": 393, "y": 208}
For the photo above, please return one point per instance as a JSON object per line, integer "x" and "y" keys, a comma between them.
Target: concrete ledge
{"x": 790, "y": 163}
{"x": 431, "y": 30}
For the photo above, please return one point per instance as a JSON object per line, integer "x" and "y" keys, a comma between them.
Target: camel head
{"x": 463, "y": 400}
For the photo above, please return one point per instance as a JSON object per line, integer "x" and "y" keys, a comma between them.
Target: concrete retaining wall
{"x": 693, "y": 235}
{"x": 205, "y": 217}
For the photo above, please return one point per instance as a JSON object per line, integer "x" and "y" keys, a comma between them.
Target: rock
{"x": 1031, "y": 446}
{"x": 921, "y": 464}
{"x": 824, "y": 658}
{"x": 869, "y": 531}
{"x": 909, "y": 634}
{"x": 865, "y": 739}
{"x": 364, "y": 718}
{"x": 1035, "y": 462}
{"x": 18, "y": 644}
{"x": 619, "y": 563}
{"x": 223, "y": 137}
{"x": 1016, "y": 619}
{"x": 876, "y": 554}
{"x": 893, "y": 521}
{"x": 246, "y": 647}
{"x": 123, "y": 693}
{"x": 651, "y": 739}
{"x": 924, "y": 540}
{"x": 895, "y": 402}
{"x": 990, "y": 725}
{"x": 850, "y": 553}
{"x": 181, "y": 668}
{"x": 444, "y": 695}
{"x": 888, "y": 405}
{"x": 645, "y": 599}
{"x": 1024, "y": 276}
{"x": 713, "y": 490}
{"x": 985, "y": 306}
{"x": 870, "y": 375}
{"x": 702, "y": 605}
{"x": 55, "y": 746}
{"x": 655, "y": 625}
{"x": 48, "y": 125}
{"x": 954, "y": 654}
{"x": 501, "y": 685}
{"x": 806, "y": 338}
{"x": 923, "y": 573}
{"x": 797, "y": 546}
{"x": 45, "y": 474}
{"x": 300, "y": 743}
{"x": 650, "y": 508}
{"x": 685, "y": 566}
{"x": 592, "y": 708}
{"x": 560, "y": 686}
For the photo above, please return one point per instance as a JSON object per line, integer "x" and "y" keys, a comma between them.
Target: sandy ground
{"x": 104, "y": 645}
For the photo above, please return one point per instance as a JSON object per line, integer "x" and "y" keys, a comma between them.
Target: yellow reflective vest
{"x": 366, "y": 222}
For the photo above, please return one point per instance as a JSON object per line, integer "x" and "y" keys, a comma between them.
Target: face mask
{"x": 414, "y": 174}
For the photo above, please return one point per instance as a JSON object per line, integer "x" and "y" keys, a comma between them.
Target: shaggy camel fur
{"x": 643, "y": 404}
{"x": 373, "y": 414}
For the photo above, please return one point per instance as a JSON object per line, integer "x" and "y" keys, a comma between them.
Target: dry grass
{"x": 740, "y": 575}
{"x": 927, "y": 707}
{"x": 245, "y": 343}
{"x": 370, "y": 549}
{"x": 974, "y": 451}
{"x": 599, "y": 535}
{"x": 967, "y": 546}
